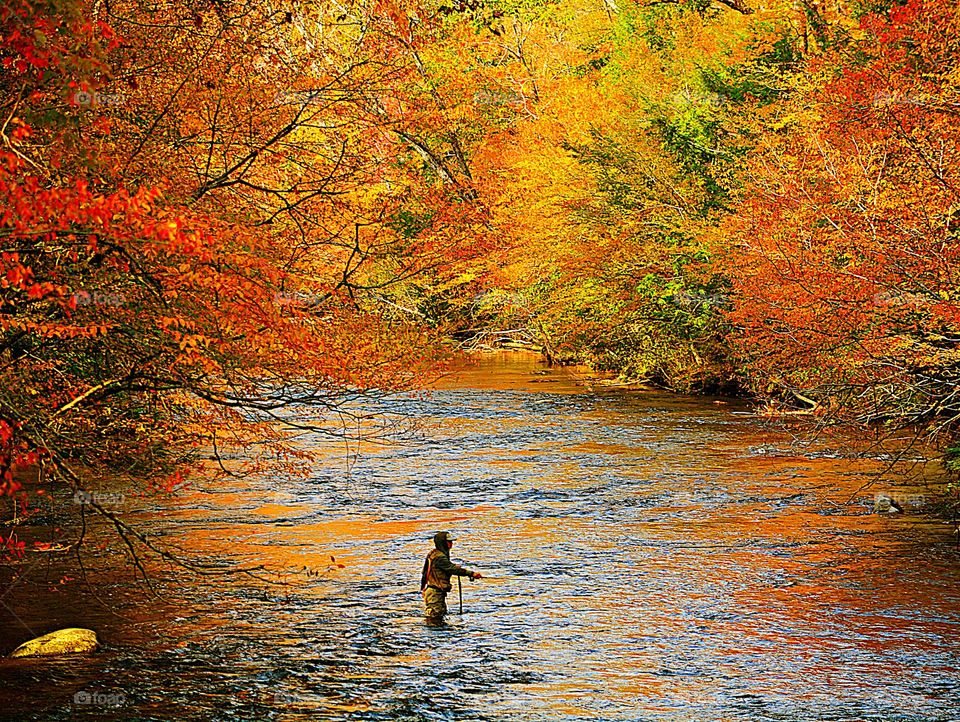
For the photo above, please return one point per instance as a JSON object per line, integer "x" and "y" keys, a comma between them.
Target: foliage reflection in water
{"x": 650, "y": 558}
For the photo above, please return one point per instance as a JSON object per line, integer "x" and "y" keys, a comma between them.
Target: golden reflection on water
{"x": 647, "y": 555}
{"x": 799, "y": 579}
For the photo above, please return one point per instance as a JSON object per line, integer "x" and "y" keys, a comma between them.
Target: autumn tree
{"x": 626, "y": 134}
{"x": 846, "y": 261}
{"x": 202, "y": 215}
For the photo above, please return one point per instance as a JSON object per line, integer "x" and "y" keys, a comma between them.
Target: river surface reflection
{"x": 651, "y": 557}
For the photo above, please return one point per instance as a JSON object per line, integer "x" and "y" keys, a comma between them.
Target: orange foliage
{"x": 202, "y": 211}
{"x": 847, "y": 270}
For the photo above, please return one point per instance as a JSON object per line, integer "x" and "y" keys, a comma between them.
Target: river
{"x": 650, "y": 557}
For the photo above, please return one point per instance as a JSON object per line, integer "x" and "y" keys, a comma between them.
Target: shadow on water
{"x": 649, "y": 558}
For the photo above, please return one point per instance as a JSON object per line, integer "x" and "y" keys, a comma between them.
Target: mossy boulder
{"x": 63, "y": 641}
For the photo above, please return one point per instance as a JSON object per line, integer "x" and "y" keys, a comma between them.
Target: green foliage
{"x": 410, "y": 223}
{"x": 951, "y": 459}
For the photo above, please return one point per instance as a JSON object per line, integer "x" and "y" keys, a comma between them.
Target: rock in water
{"x": 63, "y": 641}
{"x": 884, "y": 504}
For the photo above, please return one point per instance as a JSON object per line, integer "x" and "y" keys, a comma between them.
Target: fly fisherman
{"x": 435, "y": 579}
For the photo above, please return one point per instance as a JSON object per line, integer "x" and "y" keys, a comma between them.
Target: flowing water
{"x": 650, "y": 557}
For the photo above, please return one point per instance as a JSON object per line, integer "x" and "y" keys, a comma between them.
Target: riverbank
{"x": 926, "y": 463}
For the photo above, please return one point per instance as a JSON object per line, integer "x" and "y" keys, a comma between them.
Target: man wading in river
{"x": 435, "y": 579}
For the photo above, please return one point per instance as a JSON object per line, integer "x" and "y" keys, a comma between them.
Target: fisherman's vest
{"x": 433, "y": 576}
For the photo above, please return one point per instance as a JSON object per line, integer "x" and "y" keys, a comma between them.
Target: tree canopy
{"x": 214, "y": 214}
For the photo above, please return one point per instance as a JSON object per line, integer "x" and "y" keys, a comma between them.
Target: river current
{"x": 649, "y": 557}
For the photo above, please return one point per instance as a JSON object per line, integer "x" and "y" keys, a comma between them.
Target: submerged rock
{"x": 64, "y": 641}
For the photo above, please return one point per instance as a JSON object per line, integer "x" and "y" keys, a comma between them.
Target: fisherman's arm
{"x": 446, "y": 566}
